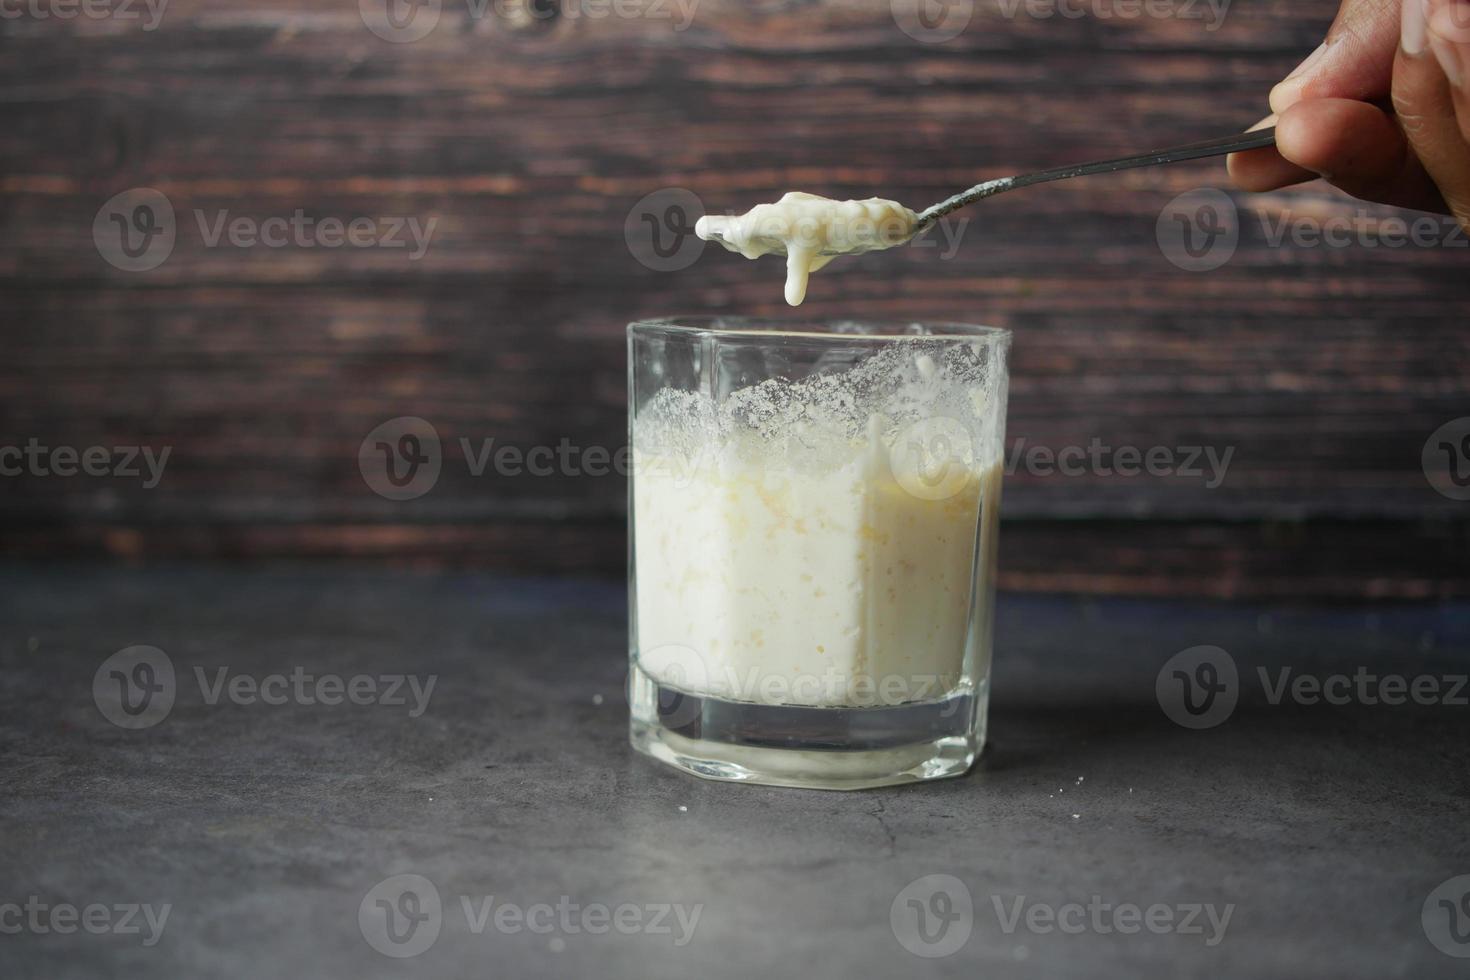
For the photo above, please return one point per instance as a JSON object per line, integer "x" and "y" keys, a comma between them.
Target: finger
{"x": 1357, "y": 147}
{"x": 1424, "y": 101}
{"x": 1449, "y": 40}
{"x": 1354, "y": 62}
{"x": 1264, "y": 169}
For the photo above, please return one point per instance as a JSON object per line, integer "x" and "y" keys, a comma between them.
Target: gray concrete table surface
{"x": 1327, "y": 832}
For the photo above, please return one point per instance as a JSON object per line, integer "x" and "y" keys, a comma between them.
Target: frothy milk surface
{"x": 816, "y": 542}
{"x": 811, "y": 230}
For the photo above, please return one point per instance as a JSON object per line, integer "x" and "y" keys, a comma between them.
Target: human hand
{"x": 1331, "y": 122}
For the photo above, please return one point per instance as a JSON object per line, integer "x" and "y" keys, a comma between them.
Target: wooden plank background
{"x": 530, "y": 134}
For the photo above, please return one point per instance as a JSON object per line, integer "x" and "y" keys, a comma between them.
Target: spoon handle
{"x": 1189, "y": 151}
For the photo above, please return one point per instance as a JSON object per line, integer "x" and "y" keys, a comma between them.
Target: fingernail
{"x": 1230, "y": 161}
{"x": 1289, "y": 90}
{"x": 1286, "y": 94}
{"x": 1415, "y": 27}
{"x": 1309, "y": 61}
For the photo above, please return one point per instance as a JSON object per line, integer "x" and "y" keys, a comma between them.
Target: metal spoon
{"x": 1189, "y": 151}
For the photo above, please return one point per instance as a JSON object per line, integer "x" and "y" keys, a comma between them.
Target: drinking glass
{"x": 812, "y": 539}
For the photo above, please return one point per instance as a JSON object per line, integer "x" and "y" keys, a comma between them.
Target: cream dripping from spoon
{"x": 810, "y": 231}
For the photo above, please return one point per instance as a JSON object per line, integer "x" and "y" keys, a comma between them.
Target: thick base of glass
{"x": 811, "y": 748}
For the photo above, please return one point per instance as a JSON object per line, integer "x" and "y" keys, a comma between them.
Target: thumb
{"x": 1354, "y": 62}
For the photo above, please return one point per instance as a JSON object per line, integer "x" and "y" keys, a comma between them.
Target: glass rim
{"x": 883, "y": 331}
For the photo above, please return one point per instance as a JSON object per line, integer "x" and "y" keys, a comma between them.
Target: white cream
{"x": 843, "y": 589}
{"x": 810, "y": 568}
{"x": 811, "y": 230}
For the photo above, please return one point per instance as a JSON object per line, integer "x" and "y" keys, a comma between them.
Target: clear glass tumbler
{"x": 812, "y": 524}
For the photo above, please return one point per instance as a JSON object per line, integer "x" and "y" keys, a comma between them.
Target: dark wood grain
{"x": 529, "y": 140}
